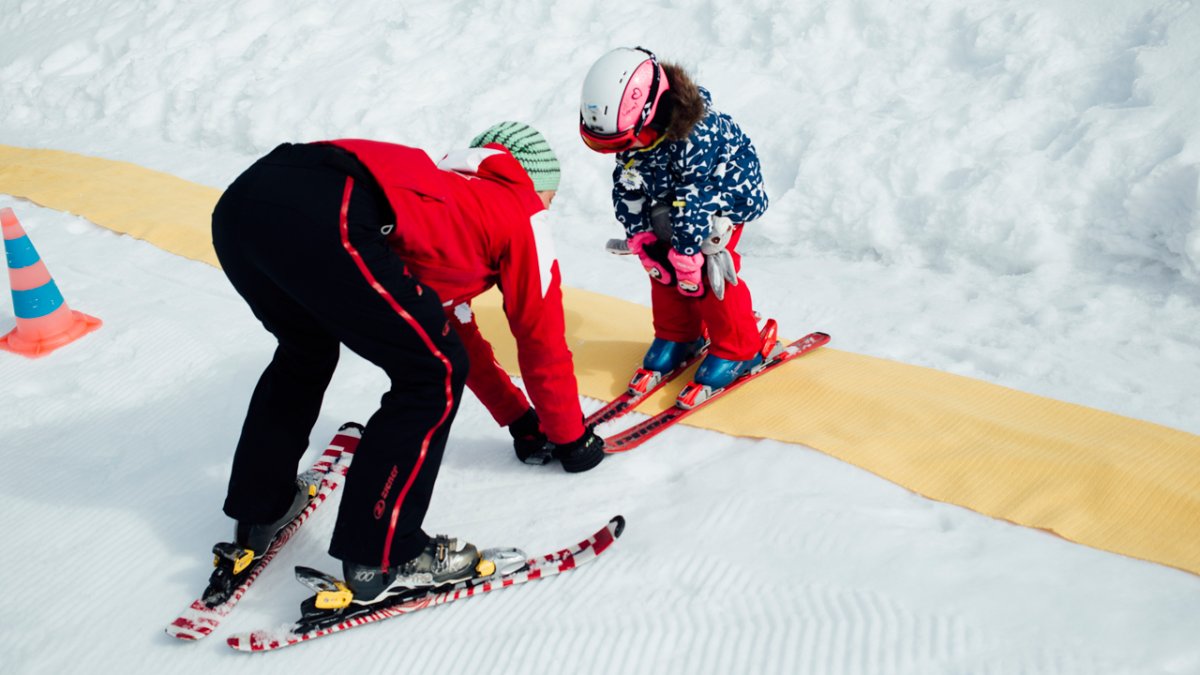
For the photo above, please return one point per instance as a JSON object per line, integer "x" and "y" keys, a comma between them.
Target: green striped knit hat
{"x": 529, "y": 148}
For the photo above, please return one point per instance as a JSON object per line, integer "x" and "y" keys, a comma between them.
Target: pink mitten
{"x": 687, "y": 272}
{"x": 656, "y": 270}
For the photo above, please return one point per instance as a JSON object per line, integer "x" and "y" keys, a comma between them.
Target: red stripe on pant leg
{"x": 362, "y": 267}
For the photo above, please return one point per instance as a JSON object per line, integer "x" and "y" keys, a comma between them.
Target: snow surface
{"x": 1001, "y": 189}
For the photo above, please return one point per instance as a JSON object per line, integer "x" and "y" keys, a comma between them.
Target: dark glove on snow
{"x": 528, "y": 440}
{"x": 582, "y": 454}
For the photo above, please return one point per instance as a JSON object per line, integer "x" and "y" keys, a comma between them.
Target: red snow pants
{"x": 730, "y": 322}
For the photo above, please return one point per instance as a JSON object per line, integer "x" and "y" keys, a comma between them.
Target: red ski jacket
{"x": 468, "y": 223}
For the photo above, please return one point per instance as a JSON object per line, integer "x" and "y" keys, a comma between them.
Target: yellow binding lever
{"x": 485, "y": 567}
{"x": 336, "y": 599}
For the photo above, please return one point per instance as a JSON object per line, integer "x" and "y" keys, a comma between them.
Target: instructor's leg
{"x": 342, "y": 270}
{"x": 402, "y": 328}
{"x": 287, "y": 399}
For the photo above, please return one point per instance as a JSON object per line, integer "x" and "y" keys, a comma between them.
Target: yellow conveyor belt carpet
{"x": 1092, "y": 477}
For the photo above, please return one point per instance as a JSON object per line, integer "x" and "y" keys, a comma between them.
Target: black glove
{"x": 528, "y": 440}
{"x": 582, "y": 454}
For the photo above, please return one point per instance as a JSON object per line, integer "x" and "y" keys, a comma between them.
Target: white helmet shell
{"x": 616, "y": 90}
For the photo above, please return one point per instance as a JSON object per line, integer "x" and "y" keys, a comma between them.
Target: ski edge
{"x": 540, "y": 567}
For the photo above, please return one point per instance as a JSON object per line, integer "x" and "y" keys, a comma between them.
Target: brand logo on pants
{"x": 381, "y": 505}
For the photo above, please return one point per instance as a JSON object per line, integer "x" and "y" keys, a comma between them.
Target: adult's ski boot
{"x": 234, "y": 560}
{"x": 444, "y": 562}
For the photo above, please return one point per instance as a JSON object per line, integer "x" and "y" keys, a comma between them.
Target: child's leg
{"x": 676, "y": 317}
{"x": 731, "y": 325}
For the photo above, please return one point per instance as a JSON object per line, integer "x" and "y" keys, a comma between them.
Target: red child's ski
{"x": 327, "y": 474}
{"x": 624, "y": 441}
{"x": 642, "y": 386}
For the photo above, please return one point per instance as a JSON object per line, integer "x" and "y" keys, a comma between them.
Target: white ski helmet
{"x": 620, "y": 96}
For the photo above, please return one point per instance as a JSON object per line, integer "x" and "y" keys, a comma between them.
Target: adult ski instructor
{"x": 372, "y": 245}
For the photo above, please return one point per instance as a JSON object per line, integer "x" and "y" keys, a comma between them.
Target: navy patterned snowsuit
{"x": 715, "y": 170}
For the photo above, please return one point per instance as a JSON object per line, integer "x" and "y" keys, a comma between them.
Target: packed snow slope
{"x": 1005, "y": 190}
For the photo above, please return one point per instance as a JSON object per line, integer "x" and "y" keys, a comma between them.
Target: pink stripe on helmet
{"x": 633, "y": 100}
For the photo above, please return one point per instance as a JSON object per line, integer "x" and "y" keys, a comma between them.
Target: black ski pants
{"x": 299, "y": 236}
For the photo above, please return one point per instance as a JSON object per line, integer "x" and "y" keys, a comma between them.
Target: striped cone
{"x": 44, "y": 322}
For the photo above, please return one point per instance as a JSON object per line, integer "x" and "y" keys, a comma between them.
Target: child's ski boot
{"x": 663, "y": 357}
{"x": 716, "y": 373}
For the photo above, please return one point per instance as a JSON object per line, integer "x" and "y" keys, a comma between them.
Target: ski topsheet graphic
{"x": 534, "y": 568}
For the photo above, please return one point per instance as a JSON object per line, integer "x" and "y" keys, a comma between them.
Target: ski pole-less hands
{"x": 532, "y": 446}
{"x": 687, "y": 272}
{"x": 581, "y": 454}
{"x": 638, "y": 244}
{"x": 529, "y": 442}
{"x": 682, "y": 270}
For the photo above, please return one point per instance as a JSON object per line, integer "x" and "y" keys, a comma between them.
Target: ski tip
{"x": 617, "y": 525}
{"x": 815, "y": 339}
{"x": 352, "y": 425}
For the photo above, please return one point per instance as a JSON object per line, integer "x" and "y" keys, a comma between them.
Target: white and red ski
{"x": 535, "y": 568}
{"x": 199, "y": 620}
{"x": 628, "y": 439}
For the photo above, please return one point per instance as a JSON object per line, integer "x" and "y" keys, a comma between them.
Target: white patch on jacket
{"x": 466, "y": 160}
{"x": 462, "y": 312}
{"x": 543, "y": 241}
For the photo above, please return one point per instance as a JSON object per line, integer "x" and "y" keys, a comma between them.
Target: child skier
{"x": 686, "y": 179}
